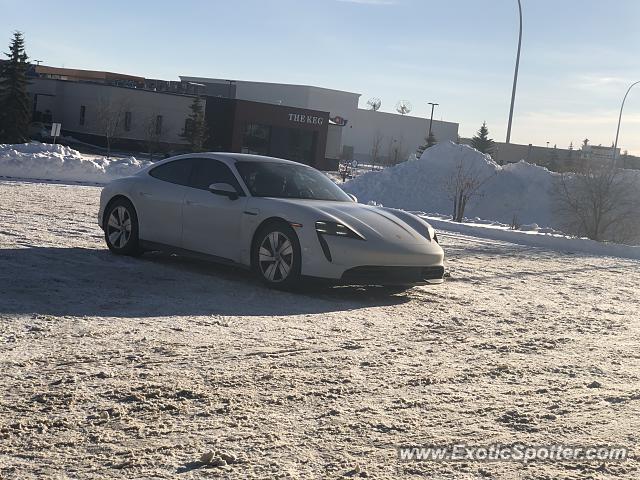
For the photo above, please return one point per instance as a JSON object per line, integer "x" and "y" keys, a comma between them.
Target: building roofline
{"x": 407, "y": 116}
{"x": 76, "y": 72}
{"x": 97, "y": 84}
{"x": 223, "y": 81}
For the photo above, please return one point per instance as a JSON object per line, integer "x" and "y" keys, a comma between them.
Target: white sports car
{"x": 283, "y": 219}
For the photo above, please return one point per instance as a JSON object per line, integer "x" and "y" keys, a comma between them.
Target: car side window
{"x": 207, "y": 171}
{"x": 177, "y": 171}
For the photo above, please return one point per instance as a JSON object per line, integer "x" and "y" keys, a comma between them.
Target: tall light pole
{"x": 515, "y": 76}
{"x": 615, "y": 145}
{"x": 433, "y": 105}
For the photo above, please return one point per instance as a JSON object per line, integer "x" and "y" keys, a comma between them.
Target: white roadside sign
{"x": 55, "y": 131}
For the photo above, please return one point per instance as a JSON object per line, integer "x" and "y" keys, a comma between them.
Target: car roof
{"x": 246, "y": 157}
{"x": 231, "y": 158}
{"x": 226, "y": 157}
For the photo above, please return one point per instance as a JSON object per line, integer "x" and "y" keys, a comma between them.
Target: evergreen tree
{"x": 15, "y": 111}
{"x": 429, "y": 141}
{"x": 569, "y": 161}
{"x": 195, "y": 128}
{"x": 482, "y": 142}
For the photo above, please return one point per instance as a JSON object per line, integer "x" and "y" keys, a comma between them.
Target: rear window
{"x": 177, "y": 171}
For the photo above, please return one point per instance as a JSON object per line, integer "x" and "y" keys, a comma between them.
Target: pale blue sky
{"x": 578, "y": 55}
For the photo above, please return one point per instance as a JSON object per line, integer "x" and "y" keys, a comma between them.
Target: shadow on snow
{"x": 94, "y": 282}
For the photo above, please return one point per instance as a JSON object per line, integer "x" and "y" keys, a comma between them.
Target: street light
{"x": 515, "y": 76}
{"x": 615, "y": 145}
{"x": 433, "y": 105}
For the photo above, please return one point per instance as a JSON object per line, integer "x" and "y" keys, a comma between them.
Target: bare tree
{"x": 376, "y": 148}
{"x": 396, "y": 152}
{"x": 391, "y": 152}
{"x": 110, "y": 118}
{"x": 599, "y": 202}
{"x": 154, "y": 131}
{"x": 464, "y": 183}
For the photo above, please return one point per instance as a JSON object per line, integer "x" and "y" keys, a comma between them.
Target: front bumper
{"x": 353, "y": 261}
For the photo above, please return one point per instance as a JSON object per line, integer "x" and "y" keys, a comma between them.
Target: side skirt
{"x": 161, "y": 247}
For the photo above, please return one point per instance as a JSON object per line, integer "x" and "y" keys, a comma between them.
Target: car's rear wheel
{"x": 121, "y": 228}
{"x": 276, "y": 255}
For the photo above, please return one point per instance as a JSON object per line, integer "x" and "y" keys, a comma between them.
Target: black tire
{"x": 282, "y": 269}
{"x": 121, "y": 228}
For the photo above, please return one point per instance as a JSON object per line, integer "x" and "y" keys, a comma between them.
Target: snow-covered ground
{"x": 126, "y": 368}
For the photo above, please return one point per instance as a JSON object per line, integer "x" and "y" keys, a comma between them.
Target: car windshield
{"x": 286, "y": 180}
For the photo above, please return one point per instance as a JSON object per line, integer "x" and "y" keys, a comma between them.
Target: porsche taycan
{"x": 283, "y": 219}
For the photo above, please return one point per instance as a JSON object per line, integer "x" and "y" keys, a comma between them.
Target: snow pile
{"x": 519, "y": 194}
{"x": 521, "y": 189}
{"x": 43, "y": 161}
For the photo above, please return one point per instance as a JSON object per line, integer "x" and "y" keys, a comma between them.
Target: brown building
{"x": 292, "y": 133}
{"x": 77, "y": 75}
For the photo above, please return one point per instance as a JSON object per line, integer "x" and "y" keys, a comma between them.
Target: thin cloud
{"x": 601, "y": 81}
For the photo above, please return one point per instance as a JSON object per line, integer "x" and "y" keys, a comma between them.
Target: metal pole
{"x": 433, "y": 105}
{"x": 615, "y": 145}
{"x": 515, "y": 76}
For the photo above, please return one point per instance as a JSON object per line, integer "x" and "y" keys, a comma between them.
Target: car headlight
{"x": 337, "y": 229}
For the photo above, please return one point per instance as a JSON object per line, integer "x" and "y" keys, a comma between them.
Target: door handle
{"x": 193, "y": 204}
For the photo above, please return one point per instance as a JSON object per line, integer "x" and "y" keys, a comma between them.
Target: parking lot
{"x": 116, "y": 367}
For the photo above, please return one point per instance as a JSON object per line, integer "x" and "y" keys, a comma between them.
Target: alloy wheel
{"x": 275, "y": 257}
{"x": 119, "y": 227}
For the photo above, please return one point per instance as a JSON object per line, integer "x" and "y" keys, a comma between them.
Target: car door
{"x": 212, "y": 223}
{"x": 161, "y": 200}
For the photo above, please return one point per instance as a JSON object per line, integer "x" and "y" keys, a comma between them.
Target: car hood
{"x": 386, "y": 224}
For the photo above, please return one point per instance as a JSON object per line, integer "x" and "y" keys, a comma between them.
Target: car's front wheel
{"x": 121, "y": 228}
{"x": 276, "y": 255}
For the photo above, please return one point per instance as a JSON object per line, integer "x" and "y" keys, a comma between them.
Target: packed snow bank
{"x": 521, "y": 189}
{"x": 43, "y": 161}
{"x": 532, "y": 235}
{"x": 518, "y": 193}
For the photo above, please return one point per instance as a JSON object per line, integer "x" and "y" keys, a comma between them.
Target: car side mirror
{"x": 225, "y": 190}
{"x": 353, "y": 197}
